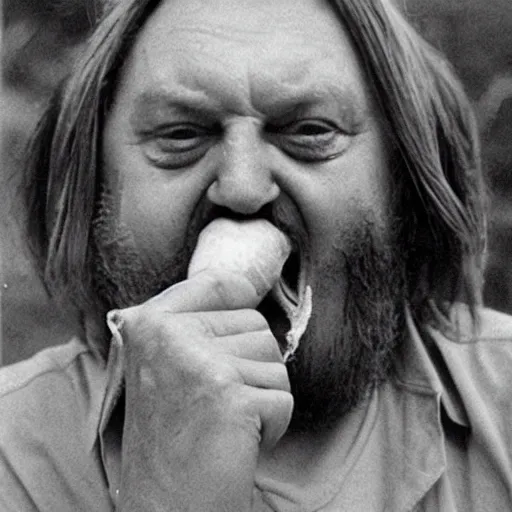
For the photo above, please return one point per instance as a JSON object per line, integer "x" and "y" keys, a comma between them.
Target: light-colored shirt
{"x": 437, "y": 437}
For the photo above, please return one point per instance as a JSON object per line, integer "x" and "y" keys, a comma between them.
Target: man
{"x": 334, "y": 122}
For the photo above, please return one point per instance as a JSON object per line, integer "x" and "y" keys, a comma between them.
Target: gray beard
{"x": 327, "y": 379}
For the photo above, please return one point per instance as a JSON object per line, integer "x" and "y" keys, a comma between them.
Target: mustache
{"x": 122, "y": 276}
{"x": 282, "y": 213}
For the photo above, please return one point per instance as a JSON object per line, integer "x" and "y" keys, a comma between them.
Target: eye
{"x": 310, "y": 139}
{"x": 177, "y": 145}
{"x": 309, "y": 128}
{"x": 183, "y": 137}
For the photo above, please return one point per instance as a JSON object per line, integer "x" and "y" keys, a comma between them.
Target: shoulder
{"x": 58, "y": 388}
{"x": 478, "y": 360}
{"x": 53, "y": 361}
{"x": 485, "y": 346}
{"x": 50, "y": 407}
{"x": 491, "y": 325}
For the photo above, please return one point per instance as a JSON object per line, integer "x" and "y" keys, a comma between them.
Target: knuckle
{"x": 217, "y": 377}
{"x": 242, "y": 405}
{"x": 146, "y": 326}
{"x": 203, "y": 325}
{"x": 256, "y": 318}
{"x": 148, "y": 331}
{"x": 225, "y": 389}
{"x": 222, "y": 379}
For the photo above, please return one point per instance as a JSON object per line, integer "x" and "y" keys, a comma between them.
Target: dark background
{"x": 41, "y": 37}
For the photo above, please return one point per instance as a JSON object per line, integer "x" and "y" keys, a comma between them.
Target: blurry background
{"x": 40, "y": 38}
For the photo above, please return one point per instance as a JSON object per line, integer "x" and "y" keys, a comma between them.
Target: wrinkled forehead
{"x": 246, "y": 16}
{"x": 249, "y": 50}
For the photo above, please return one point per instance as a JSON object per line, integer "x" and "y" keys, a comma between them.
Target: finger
{"x": 275, "y": 409}
{"x": 256, "y": 346}
{"x": 262, "y": 375}
{"x": 209, "y": 291}
{"x": 224, "y": 323}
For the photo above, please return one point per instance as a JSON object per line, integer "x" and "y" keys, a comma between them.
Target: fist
{"x": 206, "y": 388}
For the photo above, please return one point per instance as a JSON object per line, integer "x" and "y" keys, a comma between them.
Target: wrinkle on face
{"x": 259, "y": 65}
{"x": 278, "y": 61}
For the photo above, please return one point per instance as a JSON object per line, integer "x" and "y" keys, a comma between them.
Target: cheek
{"x": 156, "y": 213}
{"x": 154, "y": 208}
{"x": 348, "y": 193}
{"x": 335, "y": 222}
{"x": 154, "y": 205}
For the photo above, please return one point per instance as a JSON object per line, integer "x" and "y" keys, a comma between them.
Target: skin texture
{"x": 239, "y": 109}
{"x": 237, "y": 75}
{"x": 222, "y": 111}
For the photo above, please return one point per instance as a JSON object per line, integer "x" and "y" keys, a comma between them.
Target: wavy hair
{"x": 427, "y": 114}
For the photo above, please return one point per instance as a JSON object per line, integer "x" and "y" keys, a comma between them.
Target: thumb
{"x": 210, "y": 290}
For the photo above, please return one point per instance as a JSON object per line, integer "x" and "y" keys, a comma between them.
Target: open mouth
{"x": 290, "y": 278}
{"x": 287, "y": 307}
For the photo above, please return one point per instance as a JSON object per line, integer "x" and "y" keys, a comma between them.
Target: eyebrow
{"x": 154, "y": 106}
{"x": 302, "y": 98}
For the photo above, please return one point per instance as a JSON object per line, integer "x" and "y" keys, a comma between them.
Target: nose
{"x": 244, "y": 182}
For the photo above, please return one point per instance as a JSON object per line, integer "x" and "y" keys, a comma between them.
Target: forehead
{"x": 253, "y": 52}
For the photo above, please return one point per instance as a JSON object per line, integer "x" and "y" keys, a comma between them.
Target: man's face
{"x": 238, "y": 108}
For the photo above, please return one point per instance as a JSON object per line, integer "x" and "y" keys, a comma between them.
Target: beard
{"x": 340, "y": 359}
{"x": 121, "y": 275}
{"x": 331, "y": 378}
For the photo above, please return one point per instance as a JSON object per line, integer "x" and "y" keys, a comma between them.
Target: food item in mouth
{"x": 255, "y": 250}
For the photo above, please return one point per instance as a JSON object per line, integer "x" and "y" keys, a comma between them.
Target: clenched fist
{"x": 206, "y": 388}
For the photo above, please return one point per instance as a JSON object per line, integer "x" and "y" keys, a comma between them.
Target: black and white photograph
{"x": 256, "y": 256}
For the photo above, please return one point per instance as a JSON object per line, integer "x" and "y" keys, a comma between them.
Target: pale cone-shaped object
{"x": 255, "y": 251}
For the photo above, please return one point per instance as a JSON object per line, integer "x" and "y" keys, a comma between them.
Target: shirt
{"x": 437, "y": 437}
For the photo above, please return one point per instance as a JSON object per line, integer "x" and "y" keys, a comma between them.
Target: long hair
{"x": 426, "y": 112}
{"x": 434, "y": 131}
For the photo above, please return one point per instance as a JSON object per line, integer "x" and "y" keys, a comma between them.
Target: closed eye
{"x": 308, "y": 128}
{"x": 181, "y": 137}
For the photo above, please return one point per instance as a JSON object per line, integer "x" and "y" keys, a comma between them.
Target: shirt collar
{"x": 110, "y": 427}
{"x": 425, "y": 362}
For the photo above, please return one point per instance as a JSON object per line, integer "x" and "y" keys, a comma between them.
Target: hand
{"x": 206, "y": 387}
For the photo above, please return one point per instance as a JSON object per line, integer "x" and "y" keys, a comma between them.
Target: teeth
{"x": 297, "y": 307}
